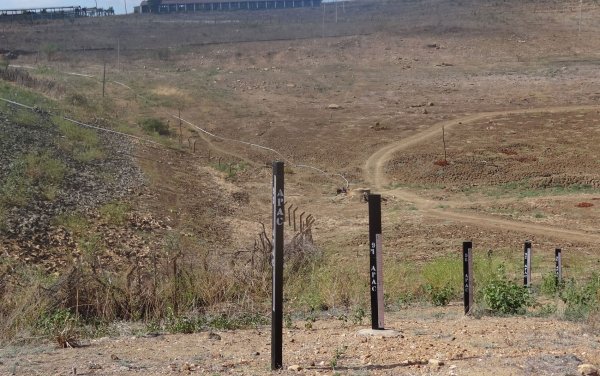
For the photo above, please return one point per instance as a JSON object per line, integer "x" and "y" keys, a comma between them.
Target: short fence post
{"x": 558, "y": 259}
{"x": 375, "y": 262}
{"x": 468, "y": 275}
{"x": 527, "y": 264}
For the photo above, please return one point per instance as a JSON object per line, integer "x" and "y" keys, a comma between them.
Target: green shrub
{"x": 358, "y": 316}
{"x": 153, "y": 125}
{"x": 179, "y": 324}
{"x": 52, "y": 323}
{"x": 550, "y": 285}
{"x": 506, "y": 297}
{"x": 581, "y": 300}
{"x": 439, "y": 296}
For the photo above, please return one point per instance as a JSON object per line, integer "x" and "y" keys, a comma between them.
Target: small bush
{"x": 179, "y": 324}
{"x": 358, "y": 316}
{"x": 506, "y": 297}
{"x": 153, "y": 125}
{"x": 439, "y": 296}
{"x": 550, "y": 285}
{"x": 581, "y": 300}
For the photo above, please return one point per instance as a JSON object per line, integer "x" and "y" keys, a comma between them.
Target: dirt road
{"x": 374, "y": 172}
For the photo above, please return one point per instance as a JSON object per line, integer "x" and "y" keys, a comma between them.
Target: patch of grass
{"x": 550, "y": 286}
{"x": 83, "y": 143}
{"x": 36, "y": 173}
{"x": 231, "y": 169}
{"x": 189, "y": 324}
{"x": 581, "y": 299}
{"x": 440, "y": 296}
{"x": 522, "y": 189}
{"x": 115, "y": 213}
{"x": 24, "y": 117}
{"x": 76, "y": 223}
{"x": 2, "y": 219}
{"x": 24, "y": 96}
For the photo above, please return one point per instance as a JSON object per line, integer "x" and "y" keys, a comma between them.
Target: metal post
{"x": 558, "y": 259}
{"x": 375, "y": 264}
{"x": 468, "y": 275}
{"x": 277, "y": 313}
{"x": 527, "y": 264}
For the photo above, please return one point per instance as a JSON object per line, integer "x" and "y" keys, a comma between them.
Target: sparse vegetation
{"x": 505, "y": 297}
{"x": 582, "y": 299}
{"x": 181, "y": 254}
{"x": 155, "y": 126}
{"x": 115, "y": 213}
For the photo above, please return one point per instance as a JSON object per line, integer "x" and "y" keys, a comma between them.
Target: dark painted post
{"x": 277, "y": 260}
{"x": 527, "y": 264}
{"x": 375, "y": 264}
{"x": 558, "y": 259}
{"x": 468, "y": 275}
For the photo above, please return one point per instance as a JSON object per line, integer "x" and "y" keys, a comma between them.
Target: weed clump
{"x": 506, "y": 297}
{"x": 155, "y": 126}
{"x": 581, "y": 300}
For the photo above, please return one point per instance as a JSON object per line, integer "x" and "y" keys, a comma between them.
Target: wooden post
{"x": 468, "y": 276}
{"x": 277, "y": 256}
{"x": 375, "y": 263}
{"x": 527, "y": 264}
{"x": 558, "y": 260}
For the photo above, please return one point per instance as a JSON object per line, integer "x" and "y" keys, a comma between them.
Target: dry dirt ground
{"x": 438, "y": 341}
{"x": 511, "y": 84}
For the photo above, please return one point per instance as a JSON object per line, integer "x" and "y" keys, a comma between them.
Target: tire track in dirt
{"x": 374, "y": 173}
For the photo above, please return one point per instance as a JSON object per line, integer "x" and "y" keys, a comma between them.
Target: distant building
{"x": 172, "y": 6}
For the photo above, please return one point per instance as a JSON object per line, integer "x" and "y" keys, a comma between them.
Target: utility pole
{"x": 118, "y": 54}
{"x": 103, "y": 79}
{"x": 336, "y": 13}
{"x": 323, "y": 20}
{"x": 579, "y": 26}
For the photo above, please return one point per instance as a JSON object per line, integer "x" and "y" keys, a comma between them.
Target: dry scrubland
{"x": 123, "y": 245}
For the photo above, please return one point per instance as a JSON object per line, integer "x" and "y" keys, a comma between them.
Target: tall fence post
{"x": 277, "y": 260}
{"x": 558, "y": 259}
{"x": 375, "y": 262}
{"x": 527, "y": 264}
{"x": 468, "y": 275}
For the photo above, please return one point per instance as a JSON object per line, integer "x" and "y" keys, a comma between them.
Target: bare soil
{"x": 439, "y": 341}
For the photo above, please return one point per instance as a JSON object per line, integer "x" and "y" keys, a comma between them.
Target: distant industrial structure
{"x": 30, "y": 14}
{"x": 173, "y": 6}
